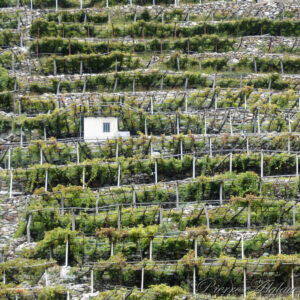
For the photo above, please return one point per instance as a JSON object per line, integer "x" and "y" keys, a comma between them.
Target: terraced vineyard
{"x": 149, "y": 149}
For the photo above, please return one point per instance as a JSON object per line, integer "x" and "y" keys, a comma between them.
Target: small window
{"x": 106, "y": 127}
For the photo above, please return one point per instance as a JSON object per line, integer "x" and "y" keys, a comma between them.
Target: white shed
{"x": 102, "y": 128}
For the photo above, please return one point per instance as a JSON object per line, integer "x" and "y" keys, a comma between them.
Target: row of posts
{"x": 155, "y": 170}
{"x": 176, "y": 3}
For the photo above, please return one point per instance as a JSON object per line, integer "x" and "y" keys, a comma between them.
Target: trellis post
{"x": 181, "y": 150}
{"x": 61, "y": 206}
{"x": 13, "y": 62}
{"x": 9, "y": 159}
{"x": 134, "y": 198}
{"x": 150, "y": 250}
{"x": 297, "y": 165}
{"x": 230, "y": 162}
{"x": 294, "y": 213}
{"x": 195, "y": 248}
{"x": 81, "y": 67}
{"x": 46, "y": 278}
{"x": 242, "y": 245}
{"x": 31, "y": 4}
{"x": 142, "y": 280}
{"x": 194, "y": 166}
{"x": 54, "y": 67}
{"x": 2, "y": 256}
{"x": 77, "y": 153}
{"x": 107, "y": 4}
{"x": 92, "y": 281}
{"x": 177, "y": 196}
{"x": 151, "y": 105}
{"x": 67, "y": 253}
{"x": 73, "y": 220}
{"x": 162, "y": 80}
{"x": 80, "y": 4}
{"x": 155, "y": 171}
{"x": 117, "y": 150}
{"x": 205, "y": 125}
{"x": 206, "y": 215}
{"x": 186, "y": 103}
{"x": 119, "y": 216}
{"x": 221, "y": 193}
{"x": 194, "y": 280}
{"x": 178, "y": 125}
{"x": 21, "y": 136}
{"x": 230, "y": 124}
{"x": 119, "y": 175}
{"x": 163, "y": 17}
{"x": 11, "y": 184}
{"x": 160, "y": 215}
{"x": 261, "y": 164}
{"x": 255, "y": 66}
{"x": 146, "y": 129}
{"x": 249, "y": 216}
{"x": 258, "y": 124}
{"x": 111, "y": 248}
{"x": 4, "y": 278}
{"x": 28, "y": 228}
{"x": 41, "y": 156}
{"x": 45, "y": 134}
{"x": 56, "y": 5}
{"x": 245, "y": 283}
{"x": 178, "y": 63}
{"x": 46, "y": 180}
{"x": 292, "y": 282}
{"x": 279, "y": 241}
{"x": 210, "y": 148}
{"x": 281, "y": 67}
{"x": 68, "y": 295}
{"x": 245, "y": 102}
{"x": 83, "y": 177}
{"x": 247, "y": 145}
{"x": 97, "y": 203}
{"x": 133, "y": 85}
